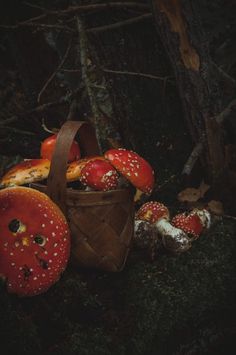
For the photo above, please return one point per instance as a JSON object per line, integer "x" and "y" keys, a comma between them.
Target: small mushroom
{"x": 74, "y": 169}
{"x": 26, "y": 172}
{"x": 133, "y": 167}
{"x": 157, "y": 214}
{"x": 99, "y": 175}
{"x": 34, "y": 243}
{"x": 192, "y": 223}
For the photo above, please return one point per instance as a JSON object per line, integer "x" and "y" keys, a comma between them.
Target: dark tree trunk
{"x": 185, "y": 41}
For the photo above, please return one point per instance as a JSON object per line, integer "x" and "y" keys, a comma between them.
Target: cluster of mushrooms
{"x": 102, "y": 173}
{"x": 154, "y": 229}
{"x": 35, "y": 236}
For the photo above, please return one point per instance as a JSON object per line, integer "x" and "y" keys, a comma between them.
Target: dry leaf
{"x": 216, "y": 207}
{"x": 189, "y": 195}
{"x": 203, "y": 188}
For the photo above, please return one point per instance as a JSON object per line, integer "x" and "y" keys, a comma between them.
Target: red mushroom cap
{"x": 25, "y": 172}
{"x": 74, "y": 169}
{"x": 34, "y": 241}
{"x": 152, "y": 212}
{"x": 137, "y": 170}
{"x": 189, "y": 223}
{"x": 48, "y": 146}
{"x": 99, "y": 175}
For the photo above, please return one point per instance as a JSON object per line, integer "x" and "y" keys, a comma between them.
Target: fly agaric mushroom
{"x": 157, "y": 214}
{"x": 99, "y": 175}
{"x": 48, "y": 146}
{"x": 74, "y": 169}
{"x": 33, "y": 170}
{"x": 133, "y": 167}
{"x": 34, "y": 241}
{"x": 193, "y": 223}
{"x": 25, "y": 172}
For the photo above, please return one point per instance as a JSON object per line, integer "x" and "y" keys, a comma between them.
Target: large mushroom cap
{"x": 34, "y": 241}
{"x": 25, "y": 172}
{"x": 136, "y": 169}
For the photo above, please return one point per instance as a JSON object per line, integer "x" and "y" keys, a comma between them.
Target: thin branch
{"x": 55, "y": 72}
{"x": 81, "y": 9}
{"x": 233, "y": 218}
{"x": 105, "y": 6}
{"x": 38, "y": 109}
{"x": 197, "y": 151}
{"x": 226, "y": 112}
{"x": 119, "y": 24}
{"x": 225, "y": 76}
{"x": 19, "y": 131}
{"x": 34, "y": 6}
{"x": 142, "y": 75}
{"x": 46, "y": 129}
{"x": 84, "y": 70}
{"x": 42, "y": 26}
{"x": 69, "y": 70}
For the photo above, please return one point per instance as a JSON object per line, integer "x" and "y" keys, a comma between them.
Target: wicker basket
{"x": 101, "y": 223}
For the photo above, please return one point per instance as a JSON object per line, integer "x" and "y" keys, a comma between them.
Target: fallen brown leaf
{"x": 203, "y": 188}
{"x": 215, "y": 207}
{"x": 190, "y": 194}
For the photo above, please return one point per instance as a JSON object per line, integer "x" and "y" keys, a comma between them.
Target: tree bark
{"x": 185, "y": 42}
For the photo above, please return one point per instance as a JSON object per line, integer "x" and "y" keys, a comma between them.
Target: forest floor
{"x": 175, "y": 305}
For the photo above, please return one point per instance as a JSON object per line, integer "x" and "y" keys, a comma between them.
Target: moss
{"x": 177, "y": 296}
{"x": 18, "y": 331}
{"x": 176, "y": 305}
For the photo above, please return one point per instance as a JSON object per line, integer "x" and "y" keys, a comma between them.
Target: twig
{"x": 160, "y": 187}
{"x": 143, "y": 75}
{"x": 226, "y": 112}
{"x": 34, "y": 6}
{"x": 38, "y": 109}
{"x": 46, "y": 128}
{"x": 55, "y": 72}
{"x": 197, "y": 151}
{"x": 84, "y": 69}
{"x": 38, "y": 26}
{"x": 105, "y": 6}
{"x": 119, "y": 24}
{"x": 19, "y": 131}
{"x": 81, "y": 9}
{"x": 224, "y": 75}
{"x": 229, "y": 217}
{"x": 70, "y": 70}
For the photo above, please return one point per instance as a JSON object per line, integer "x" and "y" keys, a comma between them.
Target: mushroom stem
{"x": 173, "y": 238}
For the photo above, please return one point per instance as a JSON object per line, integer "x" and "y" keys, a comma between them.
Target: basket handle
{"x": 56, "y": 182}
